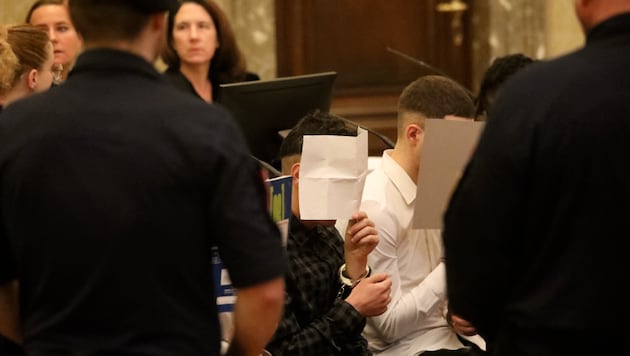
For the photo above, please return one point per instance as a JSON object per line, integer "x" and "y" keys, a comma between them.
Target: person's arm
{"x": 361, "y": 239}
{"x": 338, "y": 329}
{"x": 256, "y": 315}
{"x": 461, "y": 325}
{"x": 9, "y": 311}
{"x": 249, "y": 244}
{"x": 407, "y": 312}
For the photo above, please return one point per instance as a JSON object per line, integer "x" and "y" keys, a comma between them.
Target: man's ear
{"x": 295, "y": 172}
{"x": 31, "y": 79}
{"x": 413, "y": 132}
{"x": 159, "y": 21}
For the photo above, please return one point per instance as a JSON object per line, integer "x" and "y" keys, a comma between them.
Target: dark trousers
{"x": 9, "y": 348}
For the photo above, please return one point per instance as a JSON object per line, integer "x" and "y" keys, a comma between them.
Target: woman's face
{"x": 66, "y": 41}
{"x": 194, "y": 35}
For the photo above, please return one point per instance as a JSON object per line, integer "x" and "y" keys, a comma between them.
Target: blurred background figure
{"x": 54, "y": 17}
{"x": 499, "y": 71}
{"x": 27, "y": 62}
{"x": 202, "y": 52}
{"x": 8, "y": 63}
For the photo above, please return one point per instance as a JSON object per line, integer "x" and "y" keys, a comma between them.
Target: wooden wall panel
{"x": 351, "y": 37}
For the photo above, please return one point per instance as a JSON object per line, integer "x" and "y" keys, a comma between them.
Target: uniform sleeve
{"x": 338, "y": 330}
{"x": 406, "y": 312}
{"x": 248, "y": 240}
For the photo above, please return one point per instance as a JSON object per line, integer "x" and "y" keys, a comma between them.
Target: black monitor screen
{"x": 266, "y": 107}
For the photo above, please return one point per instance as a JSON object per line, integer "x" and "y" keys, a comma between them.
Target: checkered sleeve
{"x": 335, "y": 333}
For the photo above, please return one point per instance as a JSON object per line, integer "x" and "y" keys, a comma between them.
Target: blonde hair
{"x": 29, "y": 45}
{"x": 9, "y": 63}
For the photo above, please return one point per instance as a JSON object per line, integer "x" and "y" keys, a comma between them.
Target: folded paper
{"x": 332, "y": 175}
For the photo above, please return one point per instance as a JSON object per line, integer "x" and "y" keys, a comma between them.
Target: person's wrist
{"x": 350, "y": 281}
{"x": 355, "y": 265}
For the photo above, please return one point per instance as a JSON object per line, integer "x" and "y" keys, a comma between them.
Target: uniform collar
{"x": 399, "y": 177}
{"x": 114, "y": 62}
{"x": 615, "y": 26}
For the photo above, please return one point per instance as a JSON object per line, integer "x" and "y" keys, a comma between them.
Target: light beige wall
{"x": 541, "y": 29}
{"x": 254, "y": 25}
{"x": 563, "y": 31}
{"x": 13, "y": 11}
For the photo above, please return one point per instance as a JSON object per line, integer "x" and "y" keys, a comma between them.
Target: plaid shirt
{"x": 315, "y": 321}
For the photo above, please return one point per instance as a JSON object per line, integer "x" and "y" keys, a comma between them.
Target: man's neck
{"x": 138, "y": 47}
{"x": 406, "y": 159}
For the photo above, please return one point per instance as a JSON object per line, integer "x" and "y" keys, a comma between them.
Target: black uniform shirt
{"x": 535, "y": 234}
{"x": 114, "y": 188}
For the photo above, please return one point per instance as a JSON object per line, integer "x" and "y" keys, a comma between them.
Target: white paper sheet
{"x": 332, "y": 175}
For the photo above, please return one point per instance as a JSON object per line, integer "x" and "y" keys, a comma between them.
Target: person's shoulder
{"x": 376, "y": 179}
{"x": 188, "y": 109}
{"x": 37, "y": 105}
{"x": 251, "y": 76}
{"x": 176, "y": 79}
{"x": 543, "y": 72}
{"x": 171, "y": 74}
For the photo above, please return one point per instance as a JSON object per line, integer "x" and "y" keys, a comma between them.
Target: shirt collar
{"x": 399, "y": 177}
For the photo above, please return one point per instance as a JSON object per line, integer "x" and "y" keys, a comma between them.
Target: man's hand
{"x": 361, "y": 238}
{"x": 461, "y": 325}
{"x": 372, "y": 295}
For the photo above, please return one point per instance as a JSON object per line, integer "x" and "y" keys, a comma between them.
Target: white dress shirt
{"x": 414, "y": 320}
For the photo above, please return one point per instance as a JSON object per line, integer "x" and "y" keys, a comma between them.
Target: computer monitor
{"x": 264, "y": 108}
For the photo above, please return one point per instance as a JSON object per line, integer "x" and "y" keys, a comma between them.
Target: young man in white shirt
{"x": 416, "y": 318}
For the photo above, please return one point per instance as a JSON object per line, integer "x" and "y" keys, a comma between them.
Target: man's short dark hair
{"x": 435, "y": 96}
{"x": 110, "y": 20}
{"x": 499, "y": 71}
{"x": 314, "y": 123}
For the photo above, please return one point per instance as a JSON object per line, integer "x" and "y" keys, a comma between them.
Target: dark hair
{"x": 107, "y": 20}
{"x": 314, "y": 123}
{"x": 40, "y": 3}
{"x": 435, "y": 96}
{"x": 499, "y": 71}
{"x": 30, "y": 45}
{"x": 228, "y": 64}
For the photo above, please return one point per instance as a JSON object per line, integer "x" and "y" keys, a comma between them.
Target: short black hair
{"x": 499, "y": 71}
{"x": 314, "y": 123}
{"x": 110, "y": 20}
{"x": 436, "y": 96}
